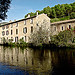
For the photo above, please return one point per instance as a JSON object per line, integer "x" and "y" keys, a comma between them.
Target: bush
{"x": 63, "y": 38}
{"x": 55, "y": 20}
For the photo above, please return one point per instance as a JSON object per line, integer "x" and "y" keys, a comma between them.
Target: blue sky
{"x": 19, "y": 8}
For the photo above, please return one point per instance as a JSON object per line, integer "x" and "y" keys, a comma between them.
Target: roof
{"x": 63, "y": 22}
{"x": 18, "y": 21}
{"x": 3, "y": 23}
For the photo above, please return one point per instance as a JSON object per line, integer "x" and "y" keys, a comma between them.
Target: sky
{"x": 19, "y": 8}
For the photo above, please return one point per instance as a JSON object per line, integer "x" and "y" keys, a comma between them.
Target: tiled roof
{"x": 17, "y": 21}
{"x": 63, "y": 22}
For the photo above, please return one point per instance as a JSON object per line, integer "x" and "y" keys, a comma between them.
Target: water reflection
{"x": 63, "y": 62}
{"x": 40, "y": 62}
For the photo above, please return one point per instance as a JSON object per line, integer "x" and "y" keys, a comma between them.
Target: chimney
{"x": 14, "y": 20}
{"x": 28, "y": 16}
{"x": 37, "y": 13}
{"x": 10, "y": 21}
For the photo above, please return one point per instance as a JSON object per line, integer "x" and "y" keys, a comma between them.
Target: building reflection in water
{"x": 41, "y": 62}
{"x": 27, "y": 59}
{"x": 63, "y": 62}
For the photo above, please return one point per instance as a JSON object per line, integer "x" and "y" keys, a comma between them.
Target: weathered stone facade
{"x": 61, "y": 26}
{"x": 22, "y": 29}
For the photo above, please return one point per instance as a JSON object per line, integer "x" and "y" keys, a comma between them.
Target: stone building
{"x": 56, "y": 27}
{"x": 22, "y": 29}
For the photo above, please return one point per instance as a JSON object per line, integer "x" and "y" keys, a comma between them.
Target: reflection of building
{"x": 63, "y": 58}
{"x": 40, "y": 61}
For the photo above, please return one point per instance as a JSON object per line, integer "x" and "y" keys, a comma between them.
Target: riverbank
{"x": 48, "y": 46}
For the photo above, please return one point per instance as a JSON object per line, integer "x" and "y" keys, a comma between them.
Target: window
{"x": 3, "y": 33}
{"x": 25, "y": 30}
{"x": 16, "y": 31}
{"x": 7, "y": 27}
{"x": 16, "y": 24}
{"x": 11, "y": 32}
{"x": 31, "y": 20}
{"x": 3, "y": 27}
{"x": 25, "y": 22}
{"x": 31, "y": 29}
{"x": 25, "y": 38}
{"x": 16, "y": 39}
{"x": 11, "y": 25}
{"x": 7, "y": 38}
{"x": 69, "y": 26}
{"x": 62, "y": 27}
{"x": 7, "y": 32}
{"x": 11, "y": 38}
{"x": 54, "y": 28}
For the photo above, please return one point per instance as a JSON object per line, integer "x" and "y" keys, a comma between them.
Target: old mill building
{"x": 23, "y": 28}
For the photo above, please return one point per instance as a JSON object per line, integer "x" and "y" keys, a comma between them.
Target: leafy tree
{"x": 41, "y": 34}
{"x": 47, "y": 11}
{"x": 53, "y": 14}
{"x": 62, "y": 7}
{"x": 73, "y": 6}
{"x": 4, "y": 6}
{"x": 39, "y": 12}
{"x": 58, "y": 10}
{"x": 68, "y": 9}
{"x": 63, "y": 38}
{"x": 72, "y": 15}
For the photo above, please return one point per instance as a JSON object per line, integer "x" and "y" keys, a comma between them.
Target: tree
{"x": 58, "y": 10}
{"x": 47, "y": 11}
{"x": 68, "y": 9}
{"x": 53, "y": 14}
{"x": 41, "y": 34}
{"x": 63, "y": 38}
{"x": 62, "y": 10}
{"x": 72, "y": 15}
{"x": 73, "y": 6}
{"x": 4, "y": 6}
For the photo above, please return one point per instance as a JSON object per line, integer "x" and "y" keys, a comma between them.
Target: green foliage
{"x": 60, "y": 19}
{"x": 55, "y": 20}
{"x": 20, "y": 43}
{"x": 68, "y": 8}
{"x": 58, "y": 11}
{"x": 72, "y": 15}
{"x": 47, "y": 11}
{"x": 40, "y": 35}
{"x": 4, "y": 40}
{"x": 4, "y": 6}
{"x": 63, "y": 38}
{"x": 64, "y": 18}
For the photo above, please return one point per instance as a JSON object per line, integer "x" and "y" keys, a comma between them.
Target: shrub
{"x": 63, "y": 38}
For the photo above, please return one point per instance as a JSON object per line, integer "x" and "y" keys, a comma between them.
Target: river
{"x": 20, "y": 61}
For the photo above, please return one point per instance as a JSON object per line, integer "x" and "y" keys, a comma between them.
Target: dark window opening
{"x": 69, "y": 26}
{"x": 31, "y": 29}
{"x": 62, "y": 27}
{"x": 11, "y": 32}
{"x": 16, "y": 31}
